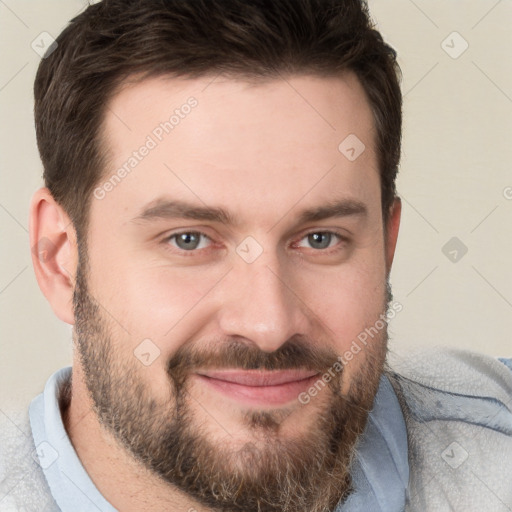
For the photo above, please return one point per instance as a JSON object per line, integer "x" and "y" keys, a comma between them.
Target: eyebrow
{"x": 179, "y": 209}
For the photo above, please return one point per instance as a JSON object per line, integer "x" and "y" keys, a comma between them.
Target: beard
{"x": 308, "y": 470}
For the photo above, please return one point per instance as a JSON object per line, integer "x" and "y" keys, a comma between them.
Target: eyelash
{"x": 342, "y": 238}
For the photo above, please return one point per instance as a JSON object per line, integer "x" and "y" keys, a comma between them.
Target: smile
{"x": 257, "y": 387}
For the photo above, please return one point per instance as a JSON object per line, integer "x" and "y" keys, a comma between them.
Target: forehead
{"x": 266, "y": 145}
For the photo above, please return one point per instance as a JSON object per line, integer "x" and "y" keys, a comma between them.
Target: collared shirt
{"x": 380, "y": 470}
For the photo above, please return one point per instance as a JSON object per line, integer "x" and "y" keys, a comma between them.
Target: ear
{"x": 54, "y": 252}
{"x": 391, "y": 234}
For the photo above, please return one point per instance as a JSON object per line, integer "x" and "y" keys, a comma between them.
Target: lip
{"x": 259, "y": 387}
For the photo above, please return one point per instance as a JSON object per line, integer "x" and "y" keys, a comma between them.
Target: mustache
{"x": 297, "y": 353}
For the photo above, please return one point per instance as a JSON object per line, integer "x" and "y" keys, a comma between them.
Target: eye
{"x": 322, "y": 240}
{"x": 187, "y": 240}
{"x": 194, "y": 241}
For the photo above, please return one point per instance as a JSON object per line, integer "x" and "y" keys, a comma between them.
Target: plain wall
{"x": 455, "y": 181}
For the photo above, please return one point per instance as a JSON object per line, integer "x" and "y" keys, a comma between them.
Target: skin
{"x": 264, "y": 152}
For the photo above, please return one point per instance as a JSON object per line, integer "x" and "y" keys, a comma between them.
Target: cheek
{"x": 158, "y": 302}
{"x": 346, "y": 300}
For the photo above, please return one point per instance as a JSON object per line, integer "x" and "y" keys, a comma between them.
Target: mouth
{"x": 259, "y": 387}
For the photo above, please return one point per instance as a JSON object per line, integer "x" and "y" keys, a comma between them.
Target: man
{"x": 218, "y": 224}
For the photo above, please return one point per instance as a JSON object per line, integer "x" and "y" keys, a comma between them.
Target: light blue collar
{"x": 70, "y": 485}
{"x": 380, "y": 470}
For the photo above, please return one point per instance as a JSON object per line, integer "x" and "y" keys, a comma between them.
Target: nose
{"x": 261, "y": 305}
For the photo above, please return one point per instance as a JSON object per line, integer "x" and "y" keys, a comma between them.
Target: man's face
{"x": 181, "y": 321}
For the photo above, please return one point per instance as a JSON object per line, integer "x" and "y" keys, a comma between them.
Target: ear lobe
{"x": 54, "y": 252}
{"x": 391, "y": 234}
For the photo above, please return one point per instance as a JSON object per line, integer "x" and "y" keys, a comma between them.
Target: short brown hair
{"x": 116, "y": 39}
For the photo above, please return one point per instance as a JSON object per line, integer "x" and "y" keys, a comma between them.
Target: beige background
{"x": 456, "y": 167}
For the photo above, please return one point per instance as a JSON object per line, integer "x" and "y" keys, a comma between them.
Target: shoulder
{"x": 454, "y": 369}
{"x": 455, "y": 385}
{"x": 458, "y": 410}
{"x": 23, "y": 487}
